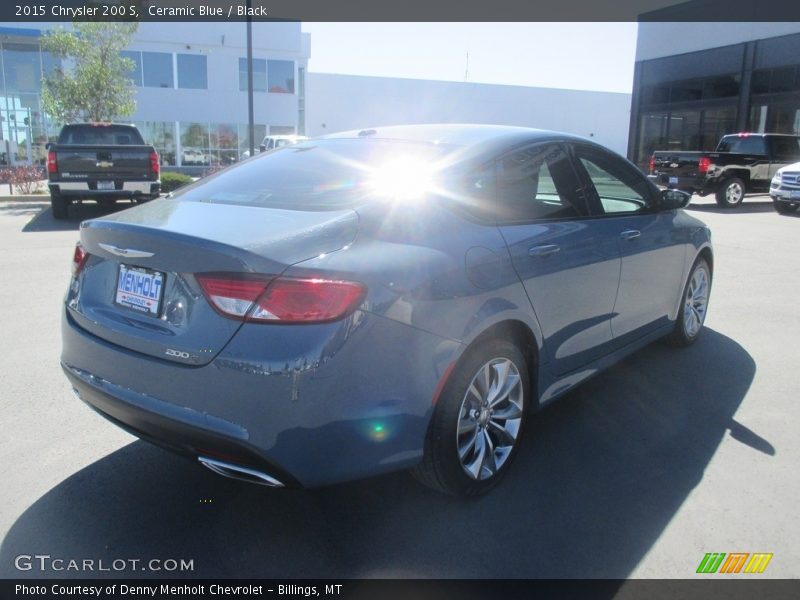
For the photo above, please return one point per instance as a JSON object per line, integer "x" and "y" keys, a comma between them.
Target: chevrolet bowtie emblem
{"x": 105, "y": 163}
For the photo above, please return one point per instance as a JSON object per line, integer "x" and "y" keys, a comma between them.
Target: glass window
{"x": 726, "y": 86}
{"x": 717, "y": 122}
{"x": 281, "y": 76}
{"x": 684, "y": 130}
{"x": 224, "y": 142}
{"x": 22, "y": 68}
{"x": 619, "y": 189}
{"x": 786, "y": 147}
{"x": 652, "y": 136}
{"x": 536, "y": 183}
{"x": 683, "y": 91}
{"x": 100, "y": 135}
{"x": 244, "y": 140}
{"x": 195, "y": 149}
{"x": 783, "y": 80}
{"x": 743, "y": 145}
{"x": 192, "y": 71}
{"x": 259, "y": 74}
{"x": 157, "y": 69}
{"x": 784, "y": 118}
{"x": 316, "y": 175}
{"x": 655, "y": 94}
{"x": 160, "y": 134}
{"x": 136, "y": 72}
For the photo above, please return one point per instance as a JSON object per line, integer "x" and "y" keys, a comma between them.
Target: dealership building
{"x": 694, "y": 82}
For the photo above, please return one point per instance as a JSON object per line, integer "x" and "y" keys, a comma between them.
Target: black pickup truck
{"x": 104, "y": 162}
{"x": 743, "y": 163}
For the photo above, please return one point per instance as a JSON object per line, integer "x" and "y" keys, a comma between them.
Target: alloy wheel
{"x": 696, "y": 302}
{"x": 490, "y": 418}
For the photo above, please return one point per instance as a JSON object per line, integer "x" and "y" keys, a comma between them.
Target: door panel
{"x": 652, "y": 256}
{"x": 568, "y": 263}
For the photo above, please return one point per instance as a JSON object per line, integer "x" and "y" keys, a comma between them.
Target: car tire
{"x": 731, "y": 193}
{"x": 785, "y": 208}
{"x": 59, "y": 206}
{"x": 696, "y": 292}
{"x": 458, "y": 463}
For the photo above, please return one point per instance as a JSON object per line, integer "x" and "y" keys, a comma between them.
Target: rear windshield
{"x": 322, "y": 174}
{"x": 100, "y": 135}
{"x": 742, "y": 145}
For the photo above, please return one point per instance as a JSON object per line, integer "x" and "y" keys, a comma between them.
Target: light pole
{"x": 251, "y": 128}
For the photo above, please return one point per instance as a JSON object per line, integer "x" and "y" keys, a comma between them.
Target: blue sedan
{"x": 384, "y": 299}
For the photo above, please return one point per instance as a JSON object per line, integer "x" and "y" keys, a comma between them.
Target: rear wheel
{"x": 59, "y": 206}
{"x": 692, "y": 314}
{"x": 785, "y": 208}
{"x": 478, "y": 421}
{"x": 731, "y": 193}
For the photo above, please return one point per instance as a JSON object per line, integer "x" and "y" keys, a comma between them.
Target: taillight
{"x": 281, "y": 300}
{"x": 52, "y": 164}
{"x": 652, "y": 164}
{"x": 79, "y": 258}
{"x": 155, "y": 165}
{"x": 704, "y": 164}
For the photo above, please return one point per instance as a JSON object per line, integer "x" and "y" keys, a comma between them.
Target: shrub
{"x": 26, "y": 179}
{"x": 172, "y": 181}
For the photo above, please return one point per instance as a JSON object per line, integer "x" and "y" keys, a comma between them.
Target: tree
{"x": 96, "y": 84}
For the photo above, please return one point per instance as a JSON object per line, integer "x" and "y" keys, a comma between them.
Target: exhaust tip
{"x": 238, "y": 472}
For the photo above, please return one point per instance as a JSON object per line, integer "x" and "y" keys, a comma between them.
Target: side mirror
{"x": 672, "y": 199}
{"x": 262, "y": 148}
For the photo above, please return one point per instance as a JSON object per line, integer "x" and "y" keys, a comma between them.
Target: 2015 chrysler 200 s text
{"x": 378, "y": 300}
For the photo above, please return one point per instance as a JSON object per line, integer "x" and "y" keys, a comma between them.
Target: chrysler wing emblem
{"x": 674, "y": 165}
{"x": 127, "y": 252}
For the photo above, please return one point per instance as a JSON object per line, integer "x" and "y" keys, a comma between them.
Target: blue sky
{"x": 584, "y": 56}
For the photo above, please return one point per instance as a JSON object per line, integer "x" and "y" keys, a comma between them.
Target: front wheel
{"x": 478, "y": 421}
{"x": 785, "y": 208}
{"x": 693, "y": 310}
{"x": 731, "y": 193}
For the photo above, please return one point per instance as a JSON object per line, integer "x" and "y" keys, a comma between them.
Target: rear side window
{"x": 324, "y": 175}
{"x": 100, "y": 135}
{"x": 537, "y": 183}
{"x": 742, "y": 145}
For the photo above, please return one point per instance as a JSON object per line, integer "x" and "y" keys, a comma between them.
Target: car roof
{"x": 471, "y": 139}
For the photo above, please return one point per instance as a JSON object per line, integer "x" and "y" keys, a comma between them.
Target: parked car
{"x": 104, "y": 162}
{"x": 378, "y": 300}
{"x": 784, "y": 189}
{"x": 743, "y": 163}
{"x": 271, "y": 142}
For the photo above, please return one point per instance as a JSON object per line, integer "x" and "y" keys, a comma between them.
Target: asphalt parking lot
{"x": 639, "y": 473}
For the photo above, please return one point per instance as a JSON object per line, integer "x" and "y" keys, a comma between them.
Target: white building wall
{"x": 223, "y": 44}
{"x": 656, "y": 40}
{"x": 341, "y": 102}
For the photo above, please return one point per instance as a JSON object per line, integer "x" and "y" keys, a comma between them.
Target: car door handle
{"x": 542, "y": 251}
{"x": 630, "y": 234}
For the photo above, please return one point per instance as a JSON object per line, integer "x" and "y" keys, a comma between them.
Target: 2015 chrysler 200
{"x": 378, "y": 300}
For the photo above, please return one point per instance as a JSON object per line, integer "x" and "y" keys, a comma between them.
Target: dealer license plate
{"x": 795, "y": 193}
{"x": 140, "y": 289}
{"x": 673, "y": 181}
{"x": 105, "y": 185}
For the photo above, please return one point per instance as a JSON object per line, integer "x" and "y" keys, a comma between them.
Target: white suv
{"x": 785, "y": 188}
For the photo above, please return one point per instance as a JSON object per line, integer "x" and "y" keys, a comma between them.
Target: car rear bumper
{"x": 689, "y": 184}
{"x": 360, "y": 410}
{"x": 88, "y": 189}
